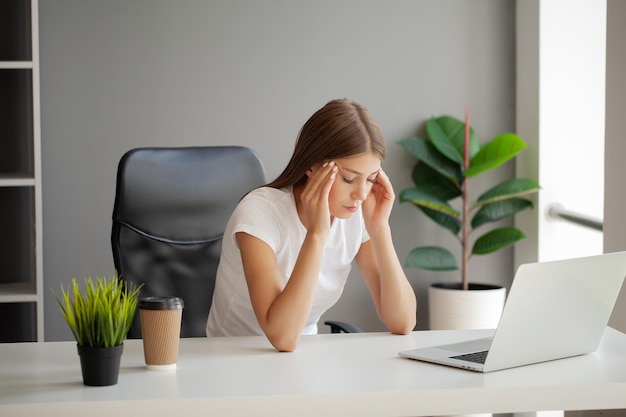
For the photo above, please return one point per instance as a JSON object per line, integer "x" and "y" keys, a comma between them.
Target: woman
{"x": 289, "y": 246}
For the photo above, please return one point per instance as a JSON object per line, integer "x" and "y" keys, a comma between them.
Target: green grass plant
{"x": 101, "y": 315}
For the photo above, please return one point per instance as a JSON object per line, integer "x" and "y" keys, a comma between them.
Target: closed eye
{"x": 351, "y": 180}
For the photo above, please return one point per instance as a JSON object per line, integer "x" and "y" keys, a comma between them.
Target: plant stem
{"x": 464, "y": 199}
{"x": 464, "y": 231}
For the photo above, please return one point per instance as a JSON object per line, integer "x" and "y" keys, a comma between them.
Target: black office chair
{"x": 342, "y": 327}
{"x": 170, "y": 212}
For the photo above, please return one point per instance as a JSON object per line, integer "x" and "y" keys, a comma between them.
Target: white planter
{"x": 451, "y": 308}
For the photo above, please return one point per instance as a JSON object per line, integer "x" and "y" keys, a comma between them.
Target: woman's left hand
{"x": 377, "y": 206}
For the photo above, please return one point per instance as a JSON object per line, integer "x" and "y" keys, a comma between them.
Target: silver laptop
{"x": 554, "y": 310}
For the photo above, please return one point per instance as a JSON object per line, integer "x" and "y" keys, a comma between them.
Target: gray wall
{"x": 119, "y": 74}
{"x": 615, "y": 149}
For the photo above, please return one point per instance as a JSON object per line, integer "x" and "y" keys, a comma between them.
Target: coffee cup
{"x": 160, "y": 330}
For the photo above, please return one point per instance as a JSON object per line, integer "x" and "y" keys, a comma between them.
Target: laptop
{"x": 554, "y": 310}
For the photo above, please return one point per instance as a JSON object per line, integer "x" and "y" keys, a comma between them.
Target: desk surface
{"x": 330, "y": 374}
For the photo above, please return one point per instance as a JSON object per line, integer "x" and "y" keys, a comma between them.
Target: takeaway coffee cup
{"x": 160, "y": 330}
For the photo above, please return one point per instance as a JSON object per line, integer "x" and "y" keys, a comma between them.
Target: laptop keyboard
{"x": 476, "y": 357}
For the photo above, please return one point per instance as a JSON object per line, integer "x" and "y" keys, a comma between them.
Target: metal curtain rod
{"x": 557, "y": 211}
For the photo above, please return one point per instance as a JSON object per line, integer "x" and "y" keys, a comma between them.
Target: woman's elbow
{"x": 402, "y": 331}
{"x": 284, "y": 343}
{"x": 403, "y": 327}
{"x": 286, "y": 347}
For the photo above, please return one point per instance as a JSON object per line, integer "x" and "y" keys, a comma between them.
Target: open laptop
{"x": 554, "y": 310}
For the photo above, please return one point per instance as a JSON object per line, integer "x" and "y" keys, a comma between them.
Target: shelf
{"x": 18, "y": 292}
{"x": 16, "y": 64}
{"x": 21, "y": 261}
{"x": 16, "y": 180}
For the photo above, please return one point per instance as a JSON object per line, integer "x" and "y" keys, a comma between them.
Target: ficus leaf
{"x": 509, "y": 189}
{"x": 498, "y": 151}
{"x": 499, "y": 210}
{"x": 425, "y": 152}
{"x": 432, "y": 258}
{"x": 497, "y": 239}
{"x": 448, "y": 135}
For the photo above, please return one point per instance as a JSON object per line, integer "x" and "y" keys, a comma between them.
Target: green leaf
{"x": 453, "y": 224}
{"x": 448, "y": 136}
{"x": 499, "y": 150}
{"x": 431, "y": 181}
{"x": 509, "y": 189}
{"x": 102, "y": 316}
{"x": 500, "y": 210}
{"x": 431, "y": 258}
{"x": 424, "y": 151}
{"x": 497, "y": 239}
{"x": 422, "y": 198}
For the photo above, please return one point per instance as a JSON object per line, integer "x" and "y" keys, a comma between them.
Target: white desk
{"x": 328, "y": 375}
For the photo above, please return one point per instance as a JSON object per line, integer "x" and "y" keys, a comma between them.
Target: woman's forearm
{"x": 398, "y": 304}
{"x": 290, "y": 310}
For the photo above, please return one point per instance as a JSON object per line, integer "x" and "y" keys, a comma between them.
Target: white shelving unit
{"x": 21, "y": 262}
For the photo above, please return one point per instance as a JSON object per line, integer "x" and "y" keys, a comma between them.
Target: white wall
{"x": 119, "y": 74}
{"x": 571, "y": 68}
{"x": 571, "y": 129}
{"x": 560, "y": 111}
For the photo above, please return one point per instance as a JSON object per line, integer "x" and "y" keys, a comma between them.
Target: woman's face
{"x": 353, "y": 183}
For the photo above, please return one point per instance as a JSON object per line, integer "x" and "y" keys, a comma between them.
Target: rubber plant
{"x": 447, "y": 160}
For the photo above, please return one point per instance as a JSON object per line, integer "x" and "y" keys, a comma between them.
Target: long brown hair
{"x": 340, "y": 129}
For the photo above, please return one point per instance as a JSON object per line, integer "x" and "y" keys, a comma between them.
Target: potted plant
{"x": 99, "y": 320}
{"x": 447, "y": 160}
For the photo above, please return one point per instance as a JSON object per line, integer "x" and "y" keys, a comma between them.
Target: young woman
{"x": 289, "y": 245}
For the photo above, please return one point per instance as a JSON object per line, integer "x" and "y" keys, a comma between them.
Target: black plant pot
{"x": 473, "y": 286}
{"x": 100, "y": 365}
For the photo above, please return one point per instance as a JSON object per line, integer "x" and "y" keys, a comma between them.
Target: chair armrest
{"x": 341, "y": 327}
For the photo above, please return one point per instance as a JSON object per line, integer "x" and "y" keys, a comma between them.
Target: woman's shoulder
{"x": 269, "y": 197}
{"x": 264, "y": 212}
{"x": 266, "y": 191}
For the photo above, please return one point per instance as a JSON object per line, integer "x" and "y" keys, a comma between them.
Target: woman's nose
{"x": 360, "y": 192}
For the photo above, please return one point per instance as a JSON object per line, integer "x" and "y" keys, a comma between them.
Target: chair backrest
{"x": 171, "y": 209}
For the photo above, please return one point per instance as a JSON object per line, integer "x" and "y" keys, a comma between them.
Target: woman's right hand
{"x": 314, "y": 198}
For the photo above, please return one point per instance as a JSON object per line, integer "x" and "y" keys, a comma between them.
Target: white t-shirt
{"x": 270, "y": 214}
